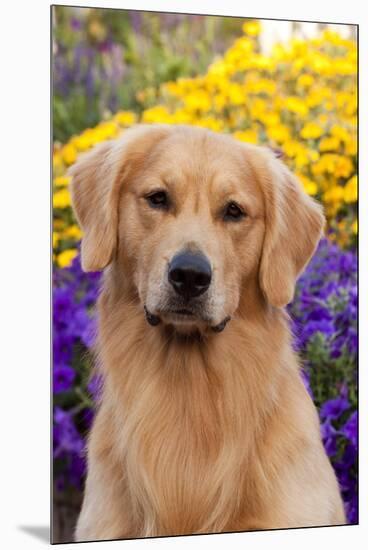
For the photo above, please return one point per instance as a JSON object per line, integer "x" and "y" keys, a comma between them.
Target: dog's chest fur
{"x": 186, "y": 417}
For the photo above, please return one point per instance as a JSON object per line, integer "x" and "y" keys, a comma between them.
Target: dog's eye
{"x": 158, "y": 199}
{"x": 233, "y": 212}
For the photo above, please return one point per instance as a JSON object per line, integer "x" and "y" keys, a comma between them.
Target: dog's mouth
{"x": 172, "y": 316}
{"x": 185, "y": 312}
{"x": 183, "y": 317}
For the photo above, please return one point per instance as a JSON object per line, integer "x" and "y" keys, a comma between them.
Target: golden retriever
{"x": 204, "y": 424}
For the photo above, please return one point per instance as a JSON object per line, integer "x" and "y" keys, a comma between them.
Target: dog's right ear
{"x": 97, "y": 177}
{"x": 92, "y": 183}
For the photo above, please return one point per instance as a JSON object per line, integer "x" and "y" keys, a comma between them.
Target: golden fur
{"x": 198, "y": 431}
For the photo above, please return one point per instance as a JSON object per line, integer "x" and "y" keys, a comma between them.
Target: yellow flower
{"x": 313, "y": 155}
{"x": 299, "y": 47}
{"x": 311, "y": 130}
{"x": 291, "y": 148}
{"x": 257, "y": 108}
{"x": 344, "y": 167}
{"x": 73, "y": 232}
{"x": 181, "y": 116}
{"x": 66, "y": 257}
{"x": 351, "y": 107}
{"x": 57, "y": 162}
{"x": 326, "y": 164}
{"x": 269, "y": 118}
{"x": 62, "y": 181}
{"x": 156, "y": 114}
{"x": 296, "y": 105}
{"x": 263, "y": 86}
{"x": 107, "y": 130}
{"x": 340, "y": 133}
{"x": 61, "y": 199}
{"x": 355, "y": 227}
{"x": 351, "y": 190}
{"x": 251, "y": 28}
{"x": 172, "y": 88}
{"x": 218, "y": 70}
{"x": 236, "y": 94}
{"x": 55, "y": 239}
{"x": 305, "y": 80}
{"x": 249, "y": 136}
{"x": 261, "y": 62}
{"x": 321, "y": 64}
{"x": 69, "y": 154}
{"x": 329, "y": 144}
{"x": 351, "y": 148}
{"x": 332, "y": 37}
{"x": 279, "y": 133}
{"x": 84, "y": 141}
{"x": 310, "y": 186}
{"x": 302, "y": 158}
{"x": 125, "y": 118}
{"x": 219, "y": 100}
{"x": 216, "y": 125}
{"x": 198, "y": 100}
{"x": 334, "y": 195}
{"x": 301, "y": 95}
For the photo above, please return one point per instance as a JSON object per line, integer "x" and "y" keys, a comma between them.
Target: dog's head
{"x": 191, "y": 219}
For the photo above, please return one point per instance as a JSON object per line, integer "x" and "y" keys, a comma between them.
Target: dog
{"x": 204, "y": 424}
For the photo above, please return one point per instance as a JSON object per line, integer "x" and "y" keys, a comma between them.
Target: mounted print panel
{"x": 204, "y": 274}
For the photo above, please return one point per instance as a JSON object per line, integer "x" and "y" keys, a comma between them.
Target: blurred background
{"x": 291, "y": 86}
{"x": 104, "y": 58}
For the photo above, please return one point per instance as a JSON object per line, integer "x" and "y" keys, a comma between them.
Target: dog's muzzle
{"x": 189, "y": 275}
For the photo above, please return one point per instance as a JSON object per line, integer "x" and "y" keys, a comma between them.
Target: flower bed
{"x": 324, "y": 317}
{"x": 301, "y": 99}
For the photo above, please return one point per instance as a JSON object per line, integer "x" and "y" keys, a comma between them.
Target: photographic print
{"x": 205, "y": 190}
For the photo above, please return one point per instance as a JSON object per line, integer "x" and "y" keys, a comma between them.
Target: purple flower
{"x": 66, "y": 436}
{"x": 77, "y": 468}
{"x": 334, "y": 408}
{"x": 63, "y": 348}
{"x": 320, "y": 314}
{"x": 348, "y": 460}
{"x": 325, "y": 304}
{"x": 87, "y": 417}
{"x": 350, "y": 429}
{"x": 323, "y": 326}
{"x": 63, "y": 378}
{"x": 63, "y": 306}
{"x": 351, "y": 508}
{"x": 75, "y": 24}
{"x": 329, "y": 435}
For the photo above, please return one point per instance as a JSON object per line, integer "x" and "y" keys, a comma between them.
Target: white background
{"x": 25, "y": 271}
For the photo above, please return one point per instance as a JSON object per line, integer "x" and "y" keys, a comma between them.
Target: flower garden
{"x": 300, "y": 99}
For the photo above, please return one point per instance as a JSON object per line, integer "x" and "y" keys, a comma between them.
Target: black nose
{"x": 190, "y": 274}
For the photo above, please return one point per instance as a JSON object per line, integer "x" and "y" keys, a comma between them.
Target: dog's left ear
{"x": 294, "y": 224}
{"x": 97, "y": 177}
